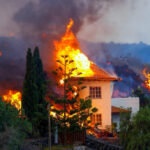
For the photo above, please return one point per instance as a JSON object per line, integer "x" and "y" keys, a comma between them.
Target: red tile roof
{"x": 99, "y": 75}
{"x": 115, "y": 109}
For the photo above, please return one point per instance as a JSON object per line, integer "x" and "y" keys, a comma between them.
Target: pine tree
{"x": 30, "y": 94}
{"x": 73, "y": 113}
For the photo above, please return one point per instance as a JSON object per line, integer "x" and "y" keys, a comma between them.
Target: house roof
{"x": 99, "y": 75}
{"x": 115, "y": 109}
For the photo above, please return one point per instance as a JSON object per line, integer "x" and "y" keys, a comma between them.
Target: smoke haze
{"x": 33, "y": 23}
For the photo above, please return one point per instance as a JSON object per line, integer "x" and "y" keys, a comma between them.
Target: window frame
{"x": 95, "y": 92}
{"x": 94, "y": 119}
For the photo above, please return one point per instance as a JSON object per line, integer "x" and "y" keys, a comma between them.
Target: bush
{"x": 13, "y": 129}
{"x": 135, "y": 131}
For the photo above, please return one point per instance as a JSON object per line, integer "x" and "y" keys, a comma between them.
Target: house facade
{"x": 99, "y": 88}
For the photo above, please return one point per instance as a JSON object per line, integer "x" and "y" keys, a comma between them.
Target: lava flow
{"x": 147, "y": 76}
{"x": 69, "y": 46}
{"x": 14, "y": 98}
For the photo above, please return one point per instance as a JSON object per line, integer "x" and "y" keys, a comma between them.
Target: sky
{"x": 126, "y": 21}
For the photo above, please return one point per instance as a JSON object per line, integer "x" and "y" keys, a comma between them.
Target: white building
{"x": 123, "y": 104}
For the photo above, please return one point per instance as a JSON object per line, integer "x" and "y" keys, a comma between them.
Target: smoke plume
{"x": 38, "y": 23}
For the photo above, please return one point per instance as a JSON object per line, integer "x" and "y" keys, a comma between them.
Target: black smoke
{"x": 12, "y": 63}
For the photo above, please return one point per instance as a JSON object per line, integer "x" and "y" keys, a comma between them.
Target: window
{"x": 95, "y": 92}
{"x": 97, "y": 118}
{"x": 93, "y": 119}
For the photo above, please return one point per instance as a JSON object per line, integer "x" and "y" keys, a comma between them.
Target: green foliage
{"x": 34, "y": 91}
{"x": 13, "y": 129}
{"x": 135, "y": 131}
{"x": 30, "y": 94}
{"x": 42, "y": 113}
{"x": 74, "y": 112}
{"x": 114, "y": 127}
{"x": 144, "y": 99}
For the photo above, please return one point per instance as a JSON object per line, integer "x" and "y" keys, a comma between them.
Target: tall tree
{"x": 41, "y": 114}
{"x": 34, "y": 91}
{"x": 71, "y": 112}
{"x": 40, "y": 79}
{"x": 30, "y": 93}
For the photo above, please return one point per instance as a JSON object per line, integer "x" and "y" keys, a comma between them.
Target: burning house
{"x": 98, "y": 83}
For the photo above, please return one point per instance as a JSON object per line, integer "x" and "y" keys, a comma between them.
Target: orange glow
{"x": 69, "y": 46}
{"x": 53, "y": 114}
{"x": 13, "y": 97}
{"x": 0, "y": 53}
{"x": 147, "y": 76}
{"x": 75, "y": 93}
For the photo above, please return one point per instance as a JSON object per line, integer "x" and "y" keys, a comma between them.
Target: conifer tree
{"x": 73, "y": 113}
{"x": 41, "y": 119}
{"x": 34, "y": 91}
{"x": 40, "y": 80}
{"x": 30, "y": 94}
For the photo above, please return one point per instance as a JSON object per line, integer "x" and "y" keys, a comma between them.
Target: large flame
{"x": 147, "y": 76}
{"x": 69, "y": 46}
{"x": 14, "y": 98}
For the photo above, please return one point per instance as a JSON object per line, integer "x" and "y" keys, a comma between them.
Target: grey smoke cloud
{"x": 51, "y": 16}
{"x": 44, "y": 21}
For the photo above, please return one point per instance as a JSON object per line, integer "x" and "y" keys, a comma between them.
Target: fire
{"x": 13, "y": 97}
{"x": 69, "y": 46}
{"x": 61, "y": 81}
{"x": 147, "y": 76}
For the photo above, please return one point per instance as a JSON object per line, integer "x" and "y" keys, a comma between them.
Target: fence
{"x": 101, "y": 145}
{"x": 73, "y": 137}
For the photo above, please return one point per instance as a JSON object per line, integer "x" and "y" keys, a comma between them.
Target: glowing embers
{"x": 14, "y": 98}
{"x": 147, "y": 76}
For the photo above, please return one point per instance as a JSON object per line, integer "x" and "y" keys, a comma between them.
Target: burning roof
{"x": 69, "y": 47}
{"x": 99, "y": 75}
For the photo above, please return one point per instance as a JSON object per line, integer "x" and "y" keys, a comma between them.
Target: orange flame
{"x": 147, "y": 76}
{"x": 13, "y": 97}
{"x": 69, "y": 46}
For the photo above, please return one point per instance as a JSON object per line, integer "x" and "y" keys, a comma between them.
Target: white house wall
{"x": 129, "y": 102}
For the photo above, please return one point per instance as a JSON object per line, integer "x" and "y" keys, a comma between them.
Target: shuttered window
{"x": 96, "y": 118}
{"x": 95, "y": 92}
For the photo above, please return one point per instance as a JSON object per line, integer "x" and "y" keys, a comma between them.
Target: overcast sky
{"x": 125, "y": 22}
